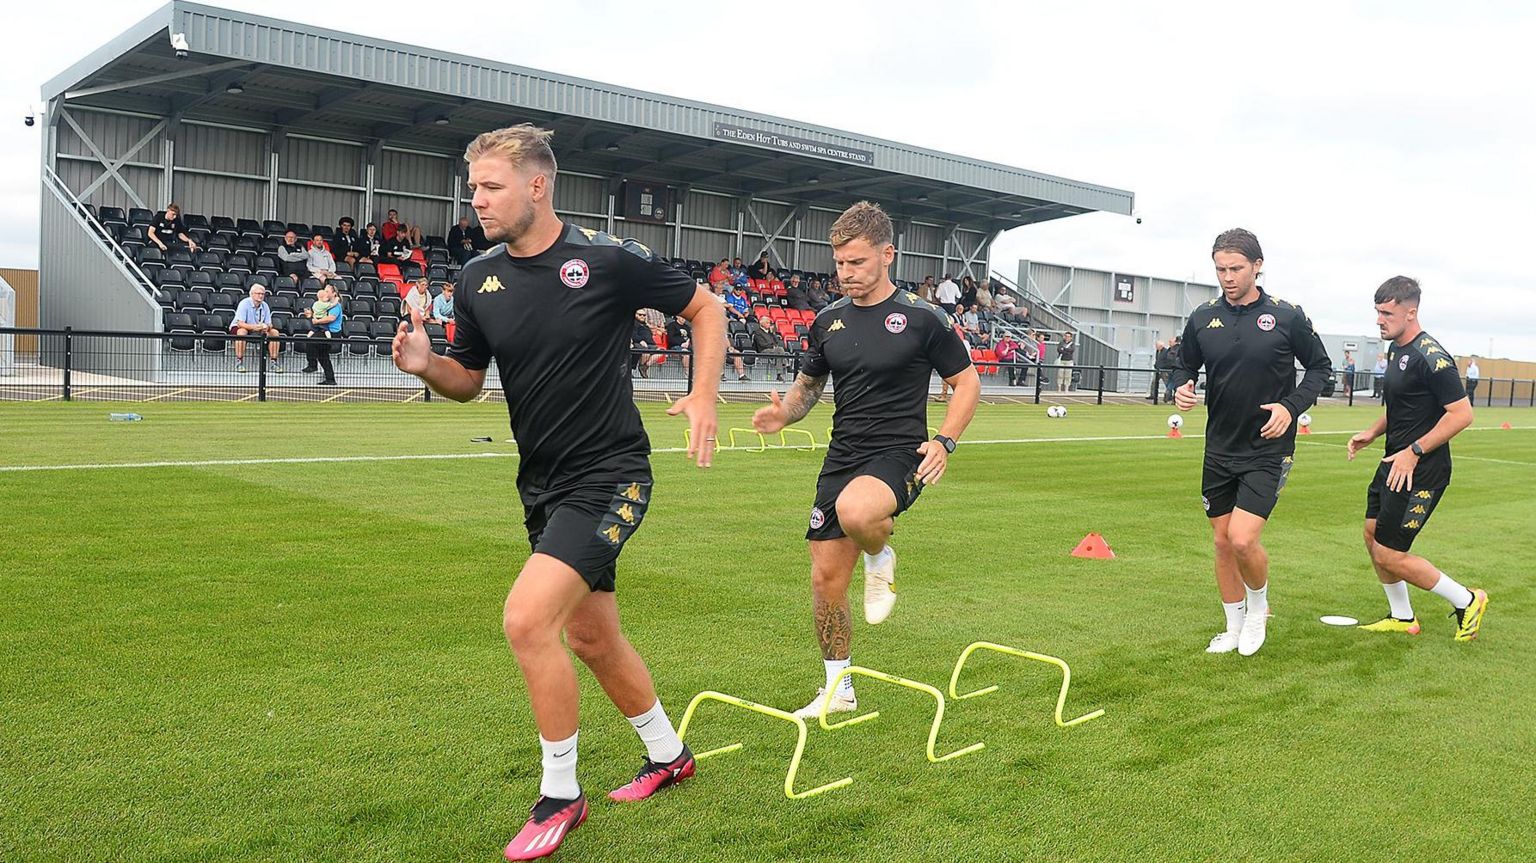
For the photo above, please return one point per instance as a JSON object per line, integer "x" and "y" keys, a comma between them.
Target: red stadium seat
{"x": 389, "y": 272}
{"x": 989, "y": 356}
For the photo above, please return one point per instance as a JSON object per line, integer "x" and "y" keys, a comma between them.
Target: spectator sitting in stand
{"x": 720, "y": 274}
{"x": 400, "y": 232}
{"x": 325, "y": 321}
{"x": 169, "y": 230}
{"x": 818, "y": 296}
{"x": 968, "y": 291}
{"x": 419, "y": 297}
{"x": 292, "y": 257}
{"x": 461, "y": 241}
{"x": 927, "y": 289}
{"x": 766, "y": 341}
{"x": 641, "y": 337}
{"x": 396, "y": 251}
{"x": 370, "y": 246}
{"x": 737, "y": 304}
{"x": 761, "y": 269}
{"x": 253, "y": 317}
{"x": 798, "y": 296}
{"x": 970, "y": 322}
{"x": 738, "y": 272}
{"x": 442, "y": 307}
{"x": 1007, "y": 353}
{"x": 984, "y": 300}
{"x": 344, "y": 244}
{"x": 680, "y": 338}
{"x": 321, "y": 263}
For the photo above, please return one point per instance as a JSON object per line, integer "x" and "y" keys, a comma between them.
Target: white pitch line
{"x": 32, "y": 468}
{"x": 1459, "y": 457}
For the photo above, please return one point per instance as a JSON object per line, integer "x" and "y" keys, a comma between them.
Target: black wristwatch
{"x": 948, "y": 442}
{"x": 1417, "y": 450}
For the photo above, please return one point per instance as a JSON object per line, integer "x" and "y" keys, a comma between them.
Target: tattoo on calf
{"x": 803, "y": 396}
{"x": 834, "y": 629}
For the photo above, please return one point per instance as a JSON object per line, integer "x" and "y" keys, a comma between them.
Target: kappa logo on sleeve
{"x": 490, "y": 285}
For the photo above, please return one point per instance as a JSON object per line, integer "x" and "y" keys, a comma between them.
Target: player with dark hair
{"x": 1426, "y": 407}
{"x": 881, "y": 345}
{"x": 1249, "y": 343}
{"x": 553, "y": 306}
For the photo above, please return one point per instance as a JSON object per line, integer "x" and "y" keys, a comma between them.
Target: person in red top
{"x": 395, "y": 230}
{"x": 721, "y": 273}
{"x": 1008, "y": 352}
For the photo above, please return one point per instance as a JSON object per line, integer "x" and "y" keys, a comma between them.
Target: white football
{"x": 1305, "y": 420}
{"x": 1056, "y": 411}
{"x": 1175, "y": 421}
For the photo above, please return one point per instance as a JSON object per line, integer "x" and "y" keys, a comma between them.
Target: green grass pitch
{"x": 297, "y": 661}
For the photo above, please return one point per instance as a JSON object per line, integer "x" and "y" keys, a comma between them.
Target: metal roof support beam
{"x": 111, "y": 172}
{"x": 768, "y": 239}
{"x": 966, "y": 257}
{"x": 153, "y": 79}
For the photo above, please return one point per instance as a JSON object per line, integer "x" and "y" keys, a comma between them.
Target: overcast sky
{"x": 1357, "y": 140}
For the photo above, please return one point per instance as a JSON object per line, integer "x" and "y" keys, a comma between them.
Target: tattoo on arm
{"x": 834, "y": 629}
{"x": 803, "y": 396}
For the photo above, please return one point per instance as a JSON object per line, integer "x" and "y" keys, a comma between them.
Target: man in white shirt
{"x": 1473, "y": 375}
{"x": 948, "y": 294}
{"x": 253, "y": 317}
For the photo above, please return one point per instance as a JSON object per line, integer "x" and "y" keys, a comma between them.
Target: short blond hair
{"x": 524, "y": 145}
{"x": 864, "y": 220}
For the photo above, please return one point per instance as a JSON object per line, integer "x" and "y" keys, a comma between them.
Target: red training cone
{"x": 1093, "y": 546}
{"x": 1506, "y": 426}
{"x": 1305, "y": 429}
{"x": 1173, "y": 432}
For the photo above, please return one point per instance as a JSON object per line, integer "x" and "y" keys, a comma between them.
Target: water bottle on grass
{"x": 124, "y": 418}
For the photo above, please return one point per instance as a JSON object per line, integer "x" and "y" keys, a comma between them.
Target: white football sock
{"x": 559, "y": 768}
{"x": 655, "y": 729}
{"x": 834, "y": 668}
{"x": 1258, "y": 600}
{"x": 877, "y": 560}
{"x": 1234, "y": 612}
{"x": 1447, "y": 589}
{"x": 1397, "y": 597}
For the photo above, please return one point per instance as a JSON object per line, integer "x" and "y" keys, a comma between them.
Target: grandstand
{"x": 256, "y": 126}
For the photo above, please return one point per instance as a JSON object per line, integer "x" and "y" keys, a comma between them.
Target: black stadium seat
{"x": 183, "y": 331}
{"x": 213, "y": 331}
{"x": 111, "y": 216}
{"x": 356, "y": 332}
{"x": 383, "y": 334}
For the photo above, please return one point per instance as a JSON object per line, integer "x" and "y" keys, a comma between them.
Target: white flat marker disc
{"x": 1338, "y": 620}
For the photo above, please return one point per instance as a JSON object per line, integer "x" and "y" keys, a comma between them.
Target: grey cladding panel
{"x": 322, "y": 162}
{"x": 580, "y": 194}
{"x": 413, "y": 172}
{"x": 144, "y": 181}
{"x": 227, "y": 150}
{"x": 207, "y": 195}
{"x": 709, "y": 211}
{"x": 315, "y": 206}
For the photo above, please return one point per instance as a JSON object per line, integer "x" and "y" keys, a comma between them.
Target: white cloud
{"x": 1358, "y": 140}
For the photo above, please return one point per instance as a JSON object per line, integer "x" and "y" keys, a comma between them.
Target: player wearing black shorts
{"x": 881, "y": 346}
{"x": 1426, "y": 407}
{"x": 1249, "y": 343}
{"x": 554, "y": 306}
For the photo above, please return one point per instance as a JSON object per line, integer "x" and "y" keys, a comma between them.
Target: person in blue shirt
{"x": 325, "y": 318}
{"x": 442, "y": 306}
{"x": 737, "y": 305}
{"x": 253, "y": 317}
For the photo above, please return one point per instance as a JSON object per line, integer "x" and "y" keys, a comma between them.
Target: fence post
{"x": 426, "y": 392}
{"x": 1101, "y": 384}
{"x": 1511, "y": 392}
{"x": 1039, "y": 378}
{"x": 689, "y": 355}
{"x": 261, "y": 369}
{"x": 68, "y": 351}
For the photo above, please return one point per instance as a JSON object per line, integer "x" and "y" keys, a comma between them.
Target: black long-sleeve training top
{"x": 1250, "y": 354}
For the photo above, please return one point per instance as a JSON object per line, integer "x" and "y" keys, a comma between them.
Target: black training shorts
{"x": 586, "y": 527}
{"x": 1399, "y": 515}
{"x": 1250, "y": 484}
{"x": 896, "y": 468}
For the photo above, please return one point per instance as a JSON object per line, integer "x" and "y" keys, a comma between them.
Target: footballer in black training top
{"x": 881, "y": 346}
{"x": 1426, "y": 407}
{"x": 1249, "y": 343}
{"x": 553, "y": 306}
